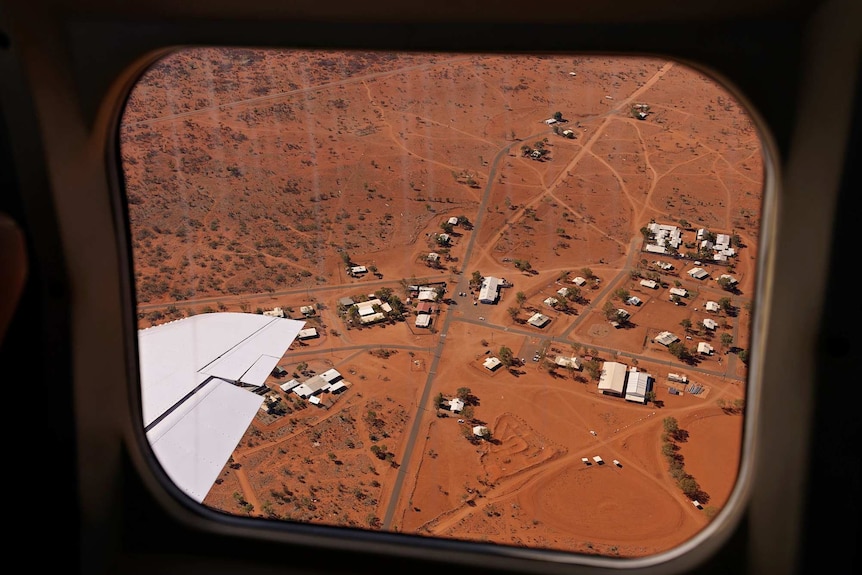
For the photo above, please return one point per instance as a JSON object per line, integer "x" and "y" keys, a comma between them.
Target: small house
{"x": 704, "y": 348}
{"x": 698, "y": 273}
{"x": 492, "y": 363}
{"x": 539, "y": 320}
{"x": 665, "y": 338}
{"x": 634, "y": 300}
{"x": 651, "y": 284}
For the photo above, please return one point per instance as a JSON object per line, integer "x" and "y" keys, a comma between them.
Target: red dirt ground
{"x": 252, "y": 175}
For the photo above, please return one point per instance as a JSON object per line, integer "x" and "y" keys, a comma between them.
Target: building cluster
{"x": 721, "y": 246}
{"x": 621, "y": 381}
{"x": 330, "y": 381}
{"x": 664, "y": 236}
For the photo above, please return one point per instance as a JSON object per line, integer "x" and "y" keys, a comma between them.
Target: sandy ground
{"x": 253, "y": 177}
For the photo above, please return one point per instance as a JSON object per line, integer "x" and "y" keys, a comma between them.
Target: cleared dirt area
{"x": 259, "y": 180}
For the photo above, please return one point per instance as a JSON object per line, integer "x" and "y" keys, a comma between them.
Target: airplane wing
{"x": 196, "y": 407}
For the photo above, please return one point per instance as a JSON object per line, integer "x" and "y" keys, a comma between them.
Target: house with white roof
{"x": 551, "y": 301}
{"x": 456, "y": 405}
{"x": 698, "y": 273}
{"x": 427, "y": 295}
{"x": 481, "y": 431}
{"x": 490, "y": 290}
{"x": 331, "y": 375}
{"x": 573, "y": 362}
{"x": 730, "y": 279}
{"x": 453, "y": 221}
{"x": 651, "y": 284}
{"x": 275, "y": 312}
{"x": 307, "y": 310}
{"x": 579, "y": 281}
{"x": 710, "y": 323}
{"x": 358, "y": 270}
{"x": 665, "y": 338}
{"x": 613, "y": 378}
{"x": 712, "y": 306}
{"x": 492, "y": 363}
{"x": 308, "y": 333}
{"x": 681, "y": 292}
{"x": 288, "y": 386}
{"x": 423, "y": 320}
{"x": 704, "y": 348}
{"x": 538, "y": 320}
{"x": 563, "y": 291}
{"x": 634, "y": 300}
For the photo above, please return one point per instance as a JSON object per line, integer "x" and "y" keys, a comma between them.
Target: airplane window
{"x": 496, "y": 298}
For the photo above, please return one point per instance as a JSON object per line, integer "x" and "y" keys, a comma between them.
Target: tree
{"x": 447, "y": 227}
{"x": 593, "y": 368}
{"x": 679, "y": 351}
{"x": 507, "y": 358}
{"x": 622, "y": 293}
{"x": 467, "y": 412}
{"x": 743, "y": 356}
{"x": 646, "y": 233}
{"x": 573, "y": 293}
{"x": 513, "y": 312}
{"x": 610, "y": 311}
{"x": 725, "y": 304}
{"x": 463, "y": 393}
{"x": 476, "y": 278}
{"x": 438, "y": 401}
{"x": 689, "y": 486}
{"x": 726, "y": 339}
{"x": 725, "y": 282}
{"x": 588, "y": 273}
{"x": 558, "y": 116}
{"x": 345, "y": 257}
{"x": 686, "y": 324}
{"x": 521, "y": 297}
{"x": 671, "y": 425}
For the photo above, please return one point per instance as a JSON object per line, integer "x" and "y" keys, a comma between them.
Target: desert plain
{"x": 259, "y": 180}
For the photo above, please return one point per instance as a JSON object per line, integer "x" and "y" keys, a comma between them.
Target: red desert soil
{"x": 255, "y": 177}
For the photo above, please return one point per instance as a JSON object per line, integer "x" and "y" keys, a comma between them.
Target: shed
{"x": 613, "y": 378}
